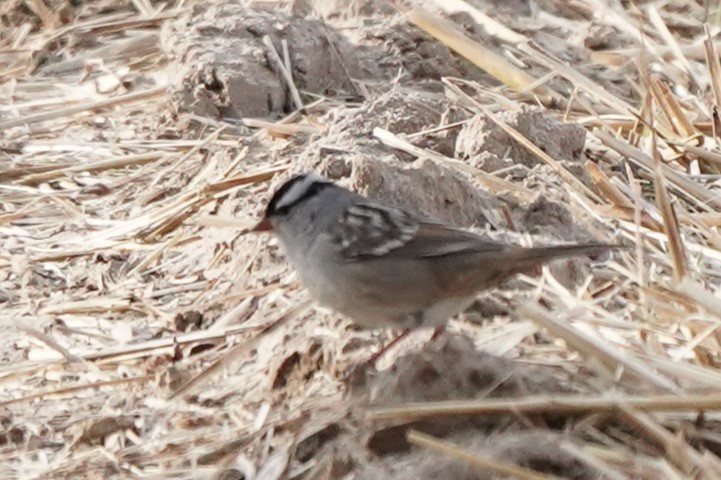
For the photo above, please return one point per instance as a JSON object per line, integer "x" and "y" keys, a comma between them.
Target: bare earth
{"x": 144, "y": 337}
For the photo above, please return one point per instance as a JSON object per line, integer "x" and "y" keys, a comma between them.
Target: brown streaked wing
{"x": 437, "y": 240}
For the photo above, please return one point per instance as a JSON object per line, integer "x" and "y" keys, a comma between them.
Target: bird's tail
{"x": 525, "y": 258}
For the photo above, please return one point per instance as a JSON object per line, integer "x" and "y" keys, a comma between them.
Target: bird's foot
{"x": 358, "y": 373}
{"x": 437, "y": 332}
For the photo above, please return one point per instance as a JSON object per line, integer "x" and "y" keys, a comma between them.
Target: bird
{"x": 383, "y": 266}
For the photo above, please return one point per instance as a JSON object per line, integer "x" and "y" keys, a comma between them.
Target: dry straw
{"x": 116, "y": 234}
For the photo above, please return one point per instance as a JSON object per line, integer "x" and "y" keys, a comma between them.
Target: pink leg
{"x": 437, "y": 332}
{"x": 376, "y": 356}
{"x": 357, "y": 374}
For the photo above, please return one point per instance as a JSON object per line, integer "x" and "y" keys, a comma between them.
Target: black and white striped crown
{"x": 295, "y": 191}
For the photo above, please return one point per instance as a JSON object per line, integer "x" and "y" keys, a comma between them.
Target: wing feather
{"x": 367, "y": 229}
{"x": 372, "y": 230}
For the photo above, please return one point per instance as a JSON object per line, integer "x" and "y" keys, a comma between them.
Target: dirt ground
{"x": 145, "y": 336}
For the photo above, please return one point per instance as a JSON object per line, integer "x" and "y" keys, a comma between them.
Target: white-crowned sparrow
{"x": 384, "y": 267}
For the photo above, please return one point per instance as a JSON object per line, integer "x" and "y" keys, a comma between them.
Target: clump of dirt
{"x": 429, "y": 189}
{"x": 403, "y": 113}
{"x": 485, "y": 145}
{"x": 541, "y": 450}
{"x": 225, "y": 69}
{"x": 451, "y": 367}
{"x": 419, "y": 56}
{"x": 396, "y": 111}
{"x": 349, "y": 152}
{"x": 390, "y": 48}
{"x": 448, "y": 368}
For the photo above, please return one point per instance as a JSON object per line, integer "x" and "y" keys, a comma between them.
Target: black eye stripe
{"x": 311, "y": 190}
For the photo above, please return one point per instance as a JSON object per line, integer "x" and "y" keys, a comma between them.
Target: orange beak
{"x": 262, "y": 226}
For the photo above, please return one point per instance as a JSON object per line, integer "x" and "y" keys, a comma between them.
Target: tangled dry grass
{"x": 142, "y": 337}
